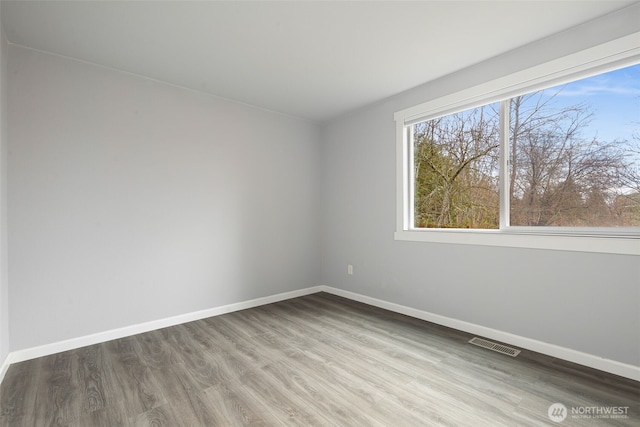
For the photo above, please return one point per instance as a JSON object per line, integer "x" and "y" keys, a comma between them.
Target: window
{"x": 574, "y": 153}
{"x": 455, "y": 169}
{"x": 551, "y": 164}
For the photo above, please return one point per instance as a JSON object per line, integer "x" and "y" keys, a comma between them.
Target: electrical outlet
{"x": 350, "y": 270}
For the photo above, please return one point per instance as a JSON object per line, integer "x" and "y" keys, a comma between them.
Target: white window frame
{"x": 600, "y": 59}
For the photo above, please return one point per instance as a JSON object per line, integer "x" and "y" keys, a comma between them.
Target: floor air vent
{"x": 494, "y": 346}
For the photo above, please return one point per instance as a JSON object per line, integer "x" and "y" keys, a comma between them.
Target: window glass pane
{"x": 456, "y": 170}
{"x": 575, "y": 153}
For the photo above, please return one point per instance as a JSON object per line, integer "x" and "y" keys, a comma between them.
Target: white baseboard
{"x": 585, "y": 359}
{"x": 5, "y": 366}
{"x": 47, "y": 349}
{"x": 606, "y": 365}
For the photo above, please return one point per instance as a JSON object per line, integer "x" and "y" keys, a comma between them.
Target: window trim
{"x": 599, "y": 59}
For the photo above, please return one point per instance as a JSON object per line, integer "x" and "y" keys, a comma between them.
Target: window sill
{"x": 579, "y": 243}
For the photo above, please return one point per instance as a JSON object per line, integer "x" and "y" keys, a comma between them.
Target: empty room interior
{"x": 263, "y": 213}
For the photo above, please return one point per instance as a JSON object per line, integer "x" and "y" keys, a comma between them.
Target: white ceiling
{"x": 309, "y": 59}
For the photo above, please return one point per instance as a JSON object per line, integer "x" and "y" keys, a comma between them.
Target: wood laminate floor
{"x": 317, "y": 360}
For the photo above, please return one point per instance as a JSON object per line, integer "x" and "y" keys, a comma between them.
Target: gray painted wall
{"x": 4, "y": 283}
{"x": 587, "y": 302}
{"x": 133, "y": 201}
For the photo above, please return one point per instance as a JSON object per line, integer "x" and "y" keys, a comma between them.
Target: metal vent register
{"x": 494, "y": 346}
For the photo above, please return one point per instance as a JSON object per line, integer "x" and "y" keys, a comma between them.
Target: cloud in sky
{"x": 623, "y": 82}
{"x": 603, "y": 89}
